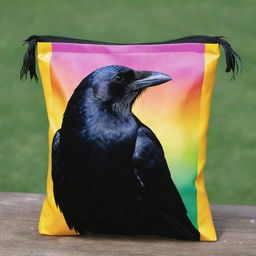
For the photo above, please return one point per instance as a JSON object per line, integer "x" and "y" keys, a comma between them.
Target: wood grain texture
{"x": 236, "y": 228}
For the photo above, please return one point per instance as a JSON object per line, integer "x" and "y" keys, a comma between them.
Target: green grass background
{"x": 231, "y": 162}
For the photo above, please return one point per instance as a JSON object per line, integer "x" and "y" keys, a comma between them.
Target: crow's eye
{"x": 119, "y": 78}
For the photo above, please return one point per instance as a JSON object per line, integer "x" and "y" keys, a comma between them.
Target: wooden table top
{"x": 19, "y": 213}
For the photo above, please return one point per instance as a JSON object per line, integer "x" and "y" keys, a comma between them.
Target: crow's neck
{"x": 84, "y": 109}
{"x": 121, "y": 109}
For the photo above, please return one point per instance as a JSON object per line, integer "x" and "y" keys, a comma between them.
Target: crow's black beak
{"x": 144, "y": 79}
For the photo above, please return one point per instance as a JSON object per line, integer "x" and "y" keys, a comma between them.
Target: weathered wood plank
{"x": 236, "y": 226}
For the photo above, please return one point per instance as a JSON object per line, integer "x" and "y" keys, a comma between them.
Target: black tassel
{"x": 29, "y": 59}
{"x": 233, "y": 60}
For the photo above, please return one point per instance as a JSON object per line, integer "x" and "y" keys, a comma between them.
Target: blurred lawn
{"x": 231, "y": 163}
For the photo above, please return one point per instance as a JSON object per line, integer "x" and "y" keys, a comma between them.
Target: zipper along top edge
{"x": 233, "y": 60}
{"x": 60, "y": 39}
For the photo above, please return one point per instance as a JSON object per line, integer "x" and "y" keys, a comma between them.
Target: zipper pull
{"x": 29, "y": 59}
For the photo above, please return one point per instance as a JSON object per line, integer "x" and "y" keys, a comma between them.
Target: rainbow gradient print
{"x": 177, "y": 111}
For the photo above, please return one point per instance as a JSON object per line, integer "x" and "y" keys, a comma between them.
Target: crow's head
{"x": 119, "y": 86}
